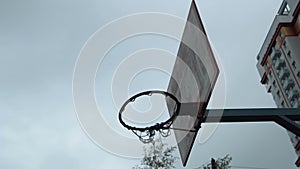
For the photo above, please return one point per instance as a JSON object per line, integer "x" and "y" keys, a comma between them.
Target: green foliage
{"x": 158, "y": 156}
{"x": 221, "y": 163}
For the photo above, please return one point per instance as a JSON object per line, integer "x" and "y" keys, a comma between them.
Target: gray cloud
{"x": 39, "y": 44}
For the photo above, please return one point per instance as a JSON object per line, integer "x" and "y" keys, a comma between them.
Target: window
{"x": 279, "y": 54}
{"x": 280, "y": 35}
{"x": 289, "y": 54}
{"x": 282, "y": 81}
{"x": 274, "y": 83}
{"x": 294, "y": 64}
{"x": 286, "y": 91}
{"x": 270, "y": 74}
{"x": 286, "y": 10}
{"x": 284, "y": 44}
{"x": 292, "y": 103}
{"x": 278, "y": 94}
{"x": 282, "y": 104}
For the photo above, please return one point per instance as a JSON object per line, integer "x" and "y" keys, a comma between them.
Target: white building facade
{"x": 279, "y": 61}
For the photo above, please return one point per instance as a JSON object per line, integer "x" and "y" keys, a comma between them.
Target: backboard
{"x": 193, "y": 78}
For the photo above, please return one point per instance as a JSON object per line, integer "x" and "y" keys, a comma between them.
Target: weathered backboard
{"x": 193, "y": 78}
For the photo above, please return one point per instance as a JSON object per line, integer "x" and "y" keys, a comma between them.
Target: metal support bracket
{"x": 289, "y": 124}
{"x": 286, "y": 117}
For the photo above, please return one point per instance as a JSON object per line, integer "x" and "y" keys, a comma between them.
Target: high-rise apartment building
{"x": 279, "y": 60}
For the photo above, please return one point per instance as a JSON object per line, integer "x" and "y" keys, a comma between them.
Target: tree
{"x": 157, "y": 156}
{"x": 221, "y": 163}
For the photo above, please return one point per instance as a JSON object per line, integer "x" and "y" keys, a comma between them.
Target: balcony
{"x": 283, "y": 73}
{"x": 275, "y": 54}
{"x": 292, "y": 94}
{"x": 288, "y": 84}
{"x": 279, "y": 63}
{"x": 296, "y": 103}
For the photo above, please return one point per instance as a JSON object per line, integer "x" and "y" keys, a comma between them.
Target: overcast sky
{"x": 41, "y": 40}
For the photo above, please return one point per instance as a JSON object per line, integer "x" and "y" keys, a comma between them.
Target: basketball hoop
{"x": 146, "y": 134}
